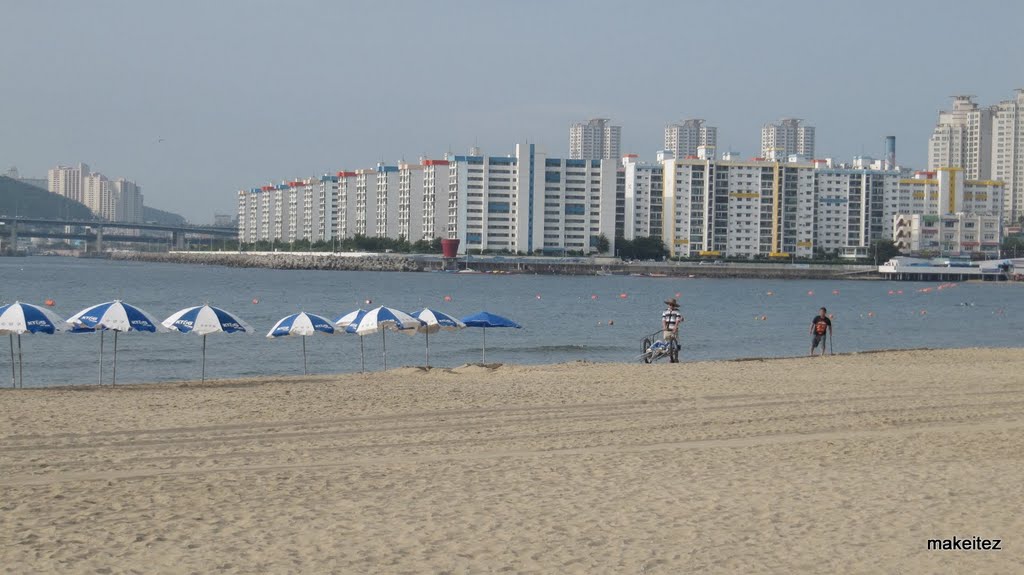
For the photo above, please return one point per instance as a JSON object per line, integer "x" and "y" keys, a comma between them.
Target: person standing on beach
{"x": 670, "y": 320}
{"x": 821, "y": 328}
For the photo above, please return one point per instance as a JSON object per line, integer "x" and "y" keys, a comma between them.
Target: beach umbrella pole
{"x": 14, "y": 381}
{"x": 427, "y": 334}
{"x": 21, "y": 365}
{"x": 362, "y": 357}
{"x": 483, "y": 353}
{"x": 384, "y": 353}
{"x": 100, "y": 380}
{"x": 113, "y": 381}
{"x": 204, "y": 359}
{"x": 304, "y": 372}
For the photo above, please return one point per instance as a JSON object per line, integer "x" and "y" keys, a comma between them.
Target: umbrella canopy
{"x": 349, "y": 319}
{"x": 433, "y": 322}
{"x": 116, "y": 316}
{"x": 204, "y": 320}
{"x": 485, "y": 320}
{"x": 386, "y": 318}
{"x": 383, "y": 319}
{"x": 18, "y": 318}
{"x": 302, "y": 324}
{"x": 22, "y": 318}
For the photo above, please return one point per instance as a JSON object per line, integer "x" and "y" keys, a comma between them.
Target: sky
{"x": 195, "y": 100}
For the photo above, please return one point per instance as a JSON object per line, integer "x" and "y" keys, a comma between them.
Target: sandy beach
{"x": 843, "y": 464}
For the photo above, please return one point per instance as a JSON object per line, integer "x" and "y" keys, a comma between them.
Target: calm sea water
{"x": 601, "y": 318}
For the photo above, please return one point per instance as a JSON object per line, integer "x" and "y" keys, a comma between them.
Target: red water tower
{"x": 450, "y": 248}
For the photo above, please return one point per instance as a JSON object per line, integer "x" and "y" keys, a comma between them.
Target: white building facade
{"x": 598, "y": 139}
{"x": 1008, "y": 154}
{"x": 684, "y": 138}
{"x": 962, "y": 138}
{"x": 787, "y": 138}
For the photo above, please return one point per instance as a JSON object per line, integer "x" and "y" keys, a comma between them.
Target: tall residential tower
{"x": 595, "y": 140}
{"x": 684, "y": 138}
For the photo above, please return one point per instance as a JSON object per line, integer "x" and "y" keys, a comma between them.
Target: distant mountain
{"x": 21, "y": 199}
{"x": 161, "y": 217}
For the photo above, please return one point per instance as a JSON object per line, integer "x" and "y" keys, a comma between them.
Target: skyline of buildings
{"x": 529, "y": 202}
{"x": 683, "y": 139}
{"x": 119, "y": 200}
{"x": 987, "y": 142}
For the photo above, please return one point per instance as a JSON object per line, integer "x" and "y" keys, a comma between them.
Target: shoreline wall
{"x": 395, "y": 262}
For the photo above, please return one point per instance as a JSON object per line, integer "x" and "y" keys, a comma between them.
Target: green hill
{"x": 161, "y": 217}
{"x": 21, "y": 199}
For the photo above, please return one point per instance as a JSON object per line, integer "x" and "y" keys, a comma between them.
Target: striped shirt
{"x": 671, "y": 317}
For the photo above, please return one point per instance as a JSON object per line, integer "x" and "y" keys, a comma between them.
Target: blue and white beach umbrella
{"x": 302, "y": 324}
{"x": 115, "y": 316}
{"x": 22, "y": 318}
{"x": 348, "y": 323}
{"x": 485, "y": 320}
{"x": 435, "y": 321}
{"x": 382, "y": 319}
{"x": 204, "y": 320}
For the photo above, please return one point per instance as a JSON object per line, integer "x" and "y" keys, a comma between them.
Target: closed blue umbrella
{"x": 485, "y": 320}
{"x": 19, "y": 318}
{"x": 435, "y": 321}
{"x": 382, "y": 319}
{"x": 348, "y": 323}
{"x": 204, "y": 320}
{"x": 302, "y": 324}
{"x": 116, "y": 316}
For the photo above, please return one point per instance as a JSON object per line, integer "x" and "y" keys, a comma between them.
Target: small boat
{"x": 468, "y": 271}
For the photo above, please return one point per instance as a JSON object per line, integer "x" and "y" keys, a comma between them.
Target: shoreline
{"x": 726, "y": 466}
{"x": 504, "y": 265}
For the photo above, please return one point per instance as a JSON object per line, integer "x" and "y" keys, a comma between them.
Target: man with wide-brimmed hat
{"x": 670, "y": 320}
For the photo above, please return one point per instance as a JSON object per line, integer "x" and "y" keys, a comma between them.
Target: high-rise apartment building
{"x": 962, "y": 138}
{"x": 127, "y": 201}
{"x": 790, "y": 136}
{"x": 67, "y": 181}
{"x": 684, "y": 138}
{"x": 595, "y": 140}
{"x": 1008, "y": 153}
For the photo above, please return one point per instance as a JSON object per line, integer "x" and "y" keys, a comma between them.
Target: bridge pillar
{"x": 13, "y": 248}
{"x": 178, "y": 240}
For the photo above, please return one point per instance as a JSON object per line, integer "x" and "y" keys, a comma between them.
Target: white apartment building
{"x": 595, "y": 140}
{"x": 962, "y": 138}
{"x": 98, "y": 195}
{"x": 1008, "y": 153}
{"x": 249, "y": 215}
{"x": 435, "y": 199}
{"x": 490, "y": 197}
{"x": 325, "y": 215}
{"x": 736, "y": 208}
{"x": 850, "y": 209}
{"x": 127, "y": 200}
{"x": 410, "y": 201}
{"x": 683, "y": 138}
{"x": 386, "y": 220}
{"x": 643, "y": 195}
{"x": 789, "y": 137}
{"x": 68, "y": 181}
{"x": 954, "y": 234}
{"x": 578, "y": 205}
{"x": 345, "y": 223}
{"x": 365, "y": 208}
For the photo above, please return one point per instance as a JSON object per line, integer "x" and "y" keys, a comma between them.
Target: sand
{"x": 844, "y": 464}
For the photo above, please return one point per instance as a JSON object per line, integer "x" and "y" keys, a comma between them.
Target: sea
{"x": 563, "y": 318}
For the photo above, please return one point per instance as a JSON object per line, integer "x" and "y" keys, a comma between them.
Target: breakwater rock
{"x": 282, "y": 261}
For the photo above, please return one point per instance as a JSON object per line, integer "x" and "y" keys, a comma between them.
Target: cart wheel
{"x": 647, "y": 354}
{"x": 674, "y": 351}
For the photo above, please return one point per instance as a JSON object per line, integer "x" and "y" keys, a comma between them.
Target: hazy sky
{"x": 243, "y": 93}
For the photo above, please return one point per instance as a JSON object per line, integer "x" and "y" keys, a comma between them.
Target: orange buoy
{"x": 50, "y": 303}
{"x": 593, "y": 296}
{"x": 835, "y": 292}
{"x": 679, "y": 294}
{"x": 764, "y": 318}
{"x": 770, "y": 293}
{"x": 255, "y": 300}
{"x": 871, "y": 314}
{"x": 899, "y": 292}
{"x": 623, "y": 295}
{"x": 810, "y": 292}
{"x": 447, "y": 298}
{"x": 924, "y": 312}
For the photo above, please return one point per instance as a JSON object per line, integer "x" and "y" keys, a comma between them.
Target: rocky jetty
{"x": 282, "y": 261}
